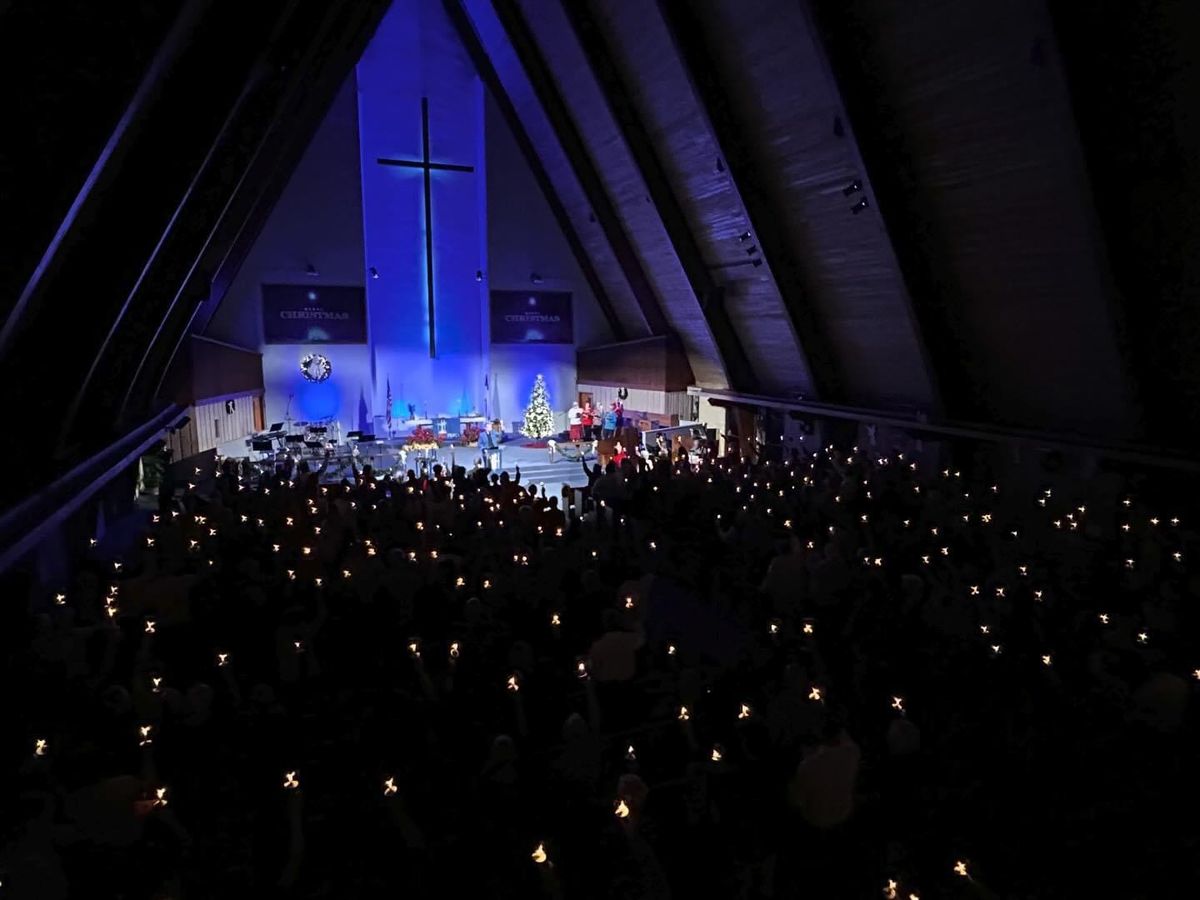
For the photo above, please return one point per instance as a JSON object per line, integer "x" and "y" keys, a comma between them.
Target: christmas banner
{"x": 532, "y": 317}
{"x": 311, "y": 314}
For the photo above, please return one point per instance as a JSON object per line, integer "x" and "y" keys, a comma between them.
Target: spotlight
{"x": 374, "y": 272}
{"x": 312, "y": 271}
{"x": 859, "y": 206}
{"x": 852, "y": 188}
{"x": 744, "y": 236}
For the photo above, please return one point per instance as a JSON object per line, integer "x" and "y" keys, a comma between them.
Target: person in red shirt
{"x": 589, "y": 421}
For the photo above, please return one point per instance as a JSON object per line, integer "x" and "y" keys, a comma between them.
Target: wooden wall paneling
{"x": 690, "y": 157}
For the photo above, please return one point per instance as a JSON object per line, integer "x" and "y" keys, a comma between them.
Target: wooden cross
{"x": 427, "y": 166}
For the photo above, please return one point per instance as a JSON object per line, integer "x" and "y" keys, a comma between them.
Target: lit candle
{"x": 291, "y": 781}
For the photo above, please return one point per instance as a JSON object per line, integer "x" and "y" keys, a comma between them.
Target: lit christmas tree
{"x": 539, "y": 420}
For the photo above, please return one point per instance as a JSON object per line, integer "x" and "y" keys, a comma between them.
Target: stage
{"x": 535, "y": 463}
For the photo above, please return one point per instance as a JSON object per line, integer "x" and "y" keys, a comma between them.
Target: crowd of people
{"x": 838, "y": 674}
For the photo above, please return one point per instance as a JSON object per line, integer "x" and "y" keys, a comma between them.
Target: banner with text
{"x": 314, "y": 314}
{"x": 532, "y": 317}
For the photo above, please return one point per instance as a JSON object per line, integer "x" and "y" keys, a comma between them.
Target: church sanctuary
{"x": 600, "y": 450}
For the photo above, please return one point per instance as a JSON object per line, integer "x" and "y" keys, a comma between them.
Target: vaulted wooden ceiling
{"x": 980, "y": 211}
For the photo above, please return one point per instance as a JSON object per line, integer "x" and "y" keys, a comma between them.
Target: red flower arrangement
{"x": 423, "y": 439}
{"x": 470, "y": 435}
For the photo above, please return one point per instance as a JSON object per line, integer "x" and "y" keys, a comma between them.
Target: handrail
{"x": 1129, "y": 452}
{"x": 27, "y": 523}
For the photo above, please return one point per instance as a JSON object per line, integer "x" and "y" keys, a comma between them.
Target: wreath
{"x": 315, "y": 367}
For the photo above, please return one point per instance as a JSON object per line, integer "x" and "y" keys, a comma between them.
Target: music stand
{"x": 264, "y": 446}
{"x": 277, "y": 426}
{"x": 354, "y": 435}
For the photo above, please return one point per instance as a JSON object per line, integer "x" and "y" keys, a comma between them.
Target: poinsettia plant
{"x": 423, "y": 438}
{"x": 470, "y": 435}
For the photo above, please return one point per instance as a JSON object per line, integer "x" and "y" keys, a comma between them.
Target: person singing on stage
{"x": 575, "y": 421}
{"x": 589, "y": 421}
{"x": 489, "y": 445}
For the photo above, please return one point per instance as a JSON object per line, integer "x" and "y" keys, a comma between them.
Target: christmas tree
{"x": 539, "y": 420}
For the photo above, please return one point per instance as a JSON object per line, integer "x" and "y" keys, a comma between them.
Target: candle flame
{"x": 40, "y": 747}
{"x": 622, "y": 809}
{"x": 974, "y": 590}
{"x": 150, "y": 625}
{"x": 555, "y": 620}
{"x": 898, "y": 703}
{"x": 160, "y": 797}
{"x": 222, "y": 659}
{"x": 807, "y": 628}
{"x": 744, "y": 712}
{"x": 539, "y": 855}
{"x": 581, "y": 668}
{"x": 512, "y": 683}
{"x": 684, "y": 715}
{"x": 1103, "y": 618}
{"x": 1142, "y": 637}
{"x": 629, "y": 603}
{"x": 1045, "y": 659}
{"x": 773, "y": 626}
{"x": 291, "y": 780}
{"x": 670, "y": 649}
{"x": 814, "y": 693}
{"x": 716, "y": 754}
{"x": 145, "y": 735}
{"x": 960, "y": 868}
{"x": 889, "y": 889}
{"x": 60, "y": 599}
{"x": 389, "y": 786}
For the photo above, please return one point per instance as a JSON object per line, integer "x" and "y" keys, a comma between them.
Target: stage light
{"x": 852, "y": 188}
{"x": 859, "y": 206}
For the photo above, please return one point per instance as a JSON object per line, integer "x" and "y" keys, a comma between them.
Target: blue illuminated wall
{"x": 344, "y": 213}
{"x": 317, "y": 220}
{"x": 416, "y": 53}
{"x": 524, "y": 240}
